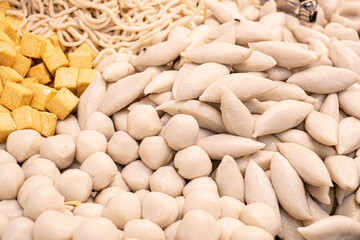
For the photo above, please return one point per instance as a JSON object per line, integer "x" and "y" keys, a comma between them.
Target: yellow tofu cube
{"x": 55, "y": 58}
{"x": 27, "y": 117}
{"x": 86, "y": 48}
{"x": 13, "y": 22}
{"x": 22, "y": 64}
{"x": 48, "y": 123}
{"x": 80, "y": 60}
{"x": 6, "y": 27}
{"x": 32, "y": 45}
{"x": 49, "y": 45}
{"x": 66, "y": 77}
{"x": 7, "y": 54}
{"x": 42, "y": 95}
{"x": 85, "y": 78}
{"x": 7, "y": 126}
{"x": 8, "y": 74}
{"x": 4, "y": 5}
{"x": 16, "y": 95}
{"x": 40, "y": 72}
{"x": 62, "y": 103}
{"x": 1, "y": 88}
{"x": 55, "y": 41}
{"x": 27, "y": 81}
{"x": 2, "y": 15}
{"x": 5, "y": 38}
{"x": 4, "y": 109}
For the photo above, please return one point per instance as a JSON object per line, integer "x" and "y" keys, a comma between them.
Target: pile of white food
{"x": 223, "y": 142}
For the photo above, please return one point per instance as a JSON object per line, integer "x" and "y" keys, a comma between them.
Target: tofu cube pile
{"x": 39, "y": 81}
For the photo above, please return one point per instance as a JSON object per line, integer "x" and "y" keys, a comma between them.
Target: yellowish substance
{"x": 7, "y": 126}
{"x": 27, "y": 117}
{"x": 55, "y": 58}
{"x": 66, "y": 77}
{"x": 8, "y": 74}
{"x": 40, "y": 72}
{"x": 28, "y": 81}
{"x": 42, "y": 95}
{"x": 62, "y": 103}
{"x": 48, "y": 124}
{"x": 32, "y": 45}
{"x": 85, "y": 77}
{"x": 80, "y": 60}
{"x": 16, "y": 95}
{"x": 22, "y": 64}
{"x": 7, "y": 54}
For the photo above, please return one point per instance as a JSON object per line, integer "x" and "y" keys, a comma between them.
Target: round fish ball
{"x": 95, "y": 229}
{"x": 227, "y": 225}
{"x": 200, "y": 183}
{"x": 53, "y": 225}
{"x": 18, "y": 228}
{"x": 4, "y": 220}
{"x": 11, "y": 208}
{"x": 250, "y": 232}
{"x": 261, "y": 215}
{"x": 100, "y": 122}
{"x": 203, "y": 200}
{"x": 231, "y": 207}
{"x": 11, "y": 179}
{"x": 101, "y": 168}
{"x": 120, "y": 120}
{"x": 33, "y": 157}
{"x": 141, "y": 194}
{"x": 30, "y": 184}
{"x": 106, "y": 194}
{"x": 41, "y": 166}
{"x": 137, "y": 175}
{"x": 122, "y": 208}
{"x": 180, "y": 200}
{"x": 198, "y": 225}
{"x": 74, "y": 185}
{"x": 69, "y": 126}
{"x": 88, "y": 210}
{"x": 119, "y": 181}
{"x": 143, "y": 121}
{"x": 143, "y": 229}
{"x": 155, "y": 152}
{"x": 122, "y": 148}
{"x": 89, "y": 142}
{"x": 60, "y": 149}
{"x": 192, "y": 162}
{"x": 171, "y": 231}
{"x": 167, "y": 180}
{"x": 22, "y": 144}
{"x": 43, "y": 198}
{"x": 159, "y": 208}
{"x": 6, "y": 157}
{"x": 181, "y": 131}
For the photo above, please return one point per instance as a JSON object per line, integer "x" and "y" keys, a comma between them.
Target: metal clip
{"x": 304, "y": 9}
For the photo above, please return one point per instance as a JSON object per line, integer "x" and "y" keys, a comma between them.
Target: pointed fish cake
{"x": 244, "y": 85}
{"x": 282, "y": 116}
{"x": 236, "y": 117}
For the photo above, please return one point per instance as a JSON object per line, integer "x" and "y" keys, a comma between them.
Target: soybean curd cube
{"x": 13, "y": 22}
{"x": 28, "y": 81}
{"x": 32, "y": 45}
{"x": 4, "y": 109}
{"x": 42, "y": 95}
{"x": 7, "y": 126}
{"x": 48, "y": 45}
{"x": 27, "y": 117}
{"x": 66, "y": 77}
{"x": 8, "y": 74}
{"x": 86, "y": 48}
{"x": 55, "y": 41}
{"x": 4, "y": 5}
{"x": 16, "y": 95}
{"x": 22, "y": 64}
{"x": 48, "y": 124}
{"x": 7, "y": 54}
{"x": 6, "y": 27}
{"x": 40, "y": 72}
{"x": 80, "y": 60}
{"x": 5, "y": 38}
{"x": 62, "y": 103}
{"x": 85, "y": 78}
{"x": 55, "y": 58}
